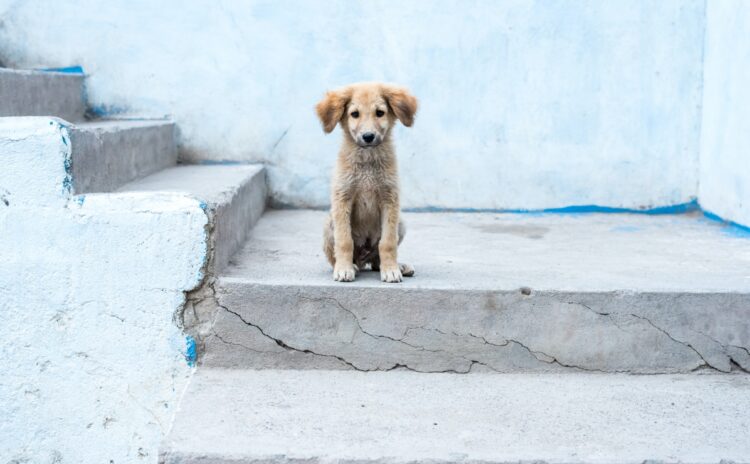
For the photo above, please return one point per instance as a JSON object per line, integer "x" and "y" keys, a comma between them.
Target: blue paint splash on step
{"x": 191, "y": 353}
{"x": 65, "y": 70}
{"x": 102, "y": 111}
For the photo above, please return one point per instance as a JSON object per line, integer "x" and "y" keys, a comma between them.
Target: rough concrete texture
{"x": 234, "y": 195}
{"x": 37, "y": 93}
{"x": 92, "y": 362}
{"x": 237, "y": 416}
{"x": 613, "y": 293}
{"x": 725, "y": 132}
{"x": 524, "y": 104}
{"x": 47, "y": 160}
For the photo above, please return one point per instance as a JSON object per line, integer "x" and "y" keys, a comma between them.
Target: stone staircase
{"x": 559, "y": 338}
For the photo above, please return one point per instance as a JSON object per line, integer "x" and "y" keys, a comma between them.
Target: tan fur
{"x": 364, "y": 226}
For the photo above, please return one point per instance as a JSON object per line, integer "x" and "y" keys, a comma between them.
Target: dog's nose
{"x": 368, "y": 137}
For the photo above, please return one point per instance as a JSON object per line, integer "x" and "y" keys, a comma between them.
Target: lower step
{"x": 500, "y": 292}
{"x": 238, "y": 416}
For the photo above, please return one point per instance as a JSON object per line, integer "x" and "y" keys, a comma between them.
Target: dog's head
{"x": 367, "y": 111}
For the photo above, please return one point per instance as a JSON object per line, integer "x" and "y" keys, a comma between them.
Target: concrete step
{"x": 233, "y": 195}
{"x": 494, "y": 292}
{"x": 107, "y": 154}
{"x": 239, "y": 416}
{"x": 70, "y": 159}
{"x": 41, "y": 93}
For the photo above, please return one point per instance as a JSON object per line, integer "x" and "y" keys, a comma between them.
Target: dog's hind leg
{"x": 406, "y": 269}
{"x": 328, "y": 243}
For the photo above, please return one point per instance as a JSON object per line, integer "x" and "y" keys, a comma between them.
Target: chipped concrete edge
{"x": 227, "y": 228}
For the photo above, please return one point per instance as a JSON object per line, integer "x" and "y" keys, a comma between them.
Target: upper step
{"x": 48, "y": 160}
{"x": 236, "y": 416}
{"x": 500, "y": 292}
{"x": 107, "y": 154}
{"x": 41, "y": 93}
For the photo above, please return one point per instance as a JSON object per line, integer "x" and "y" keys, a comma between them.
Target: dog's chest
{"x": 368, "y": 192}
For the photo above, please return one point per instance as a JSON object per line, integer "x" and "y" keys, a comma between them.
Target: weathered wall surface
{"x": 92, "y": 362}
{"x": 725, "y": 140}
{"x": 524, "y": 104}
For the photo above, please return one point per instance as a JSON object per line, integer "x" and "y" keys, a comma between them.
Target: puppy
{"x": 364, "y": 227}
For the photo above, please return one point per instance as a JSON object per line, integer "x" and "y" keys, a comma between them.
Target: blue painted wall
{"x": 524, "y": 104}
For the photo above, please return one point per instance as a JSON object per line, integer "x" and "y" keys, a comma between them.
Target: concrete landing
{"x": 481, "y": 251}
{"x": 497, "y": 292}
{"x": 236, "y": 416}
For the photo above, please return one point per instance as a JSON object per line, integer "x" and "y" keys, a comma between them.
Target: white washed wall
{"x": 725, "y": 142}
{"x": 524, "y": 104}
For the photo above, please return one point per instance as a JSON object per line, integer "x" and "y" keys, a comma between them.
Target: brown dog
{"x": 364, "y": 225}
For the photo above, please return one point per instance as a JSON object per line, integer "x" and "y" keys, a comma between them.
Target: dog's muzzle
{"x": 369, "y": 139}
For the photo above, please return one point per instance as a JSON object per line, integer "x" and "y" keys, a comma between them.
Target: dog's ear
{"x": 331, "y": 108}
{"x": 403, "y": 104}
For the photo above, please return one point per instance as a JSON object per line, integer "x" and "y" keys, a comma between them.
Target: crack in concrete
{"x": 227, "y": 342}
{"x": 732, "y": 361}
{"x": 456, "y": 334}
{"x": 609, "y": 316}
{"x": 394, "y": 366}
{"x": 470, "y": 363}
{"x": 705, "y": 362}
{"x": 671, "y": 337}
{"x": 536, "y": 354}
{"x": 284, "y": 345}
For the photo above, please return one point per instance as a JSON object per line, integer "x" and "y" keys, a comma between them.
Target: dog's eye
{"x": 379, "y": 113}
{"x": 355, "y": 114}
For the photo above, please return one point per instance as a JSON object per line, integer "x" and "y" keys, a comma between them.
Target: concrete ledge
{"x": 37, "y": 93}
{"x": 610, "y": 293}
{"x": 233, "y": 195}
{"x": 236, "y": 416}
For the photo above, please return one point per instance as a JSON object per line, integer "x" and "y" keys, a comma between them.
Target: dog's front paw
{"x": 390, "y": 274}
{"x": 344, "y": 273}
